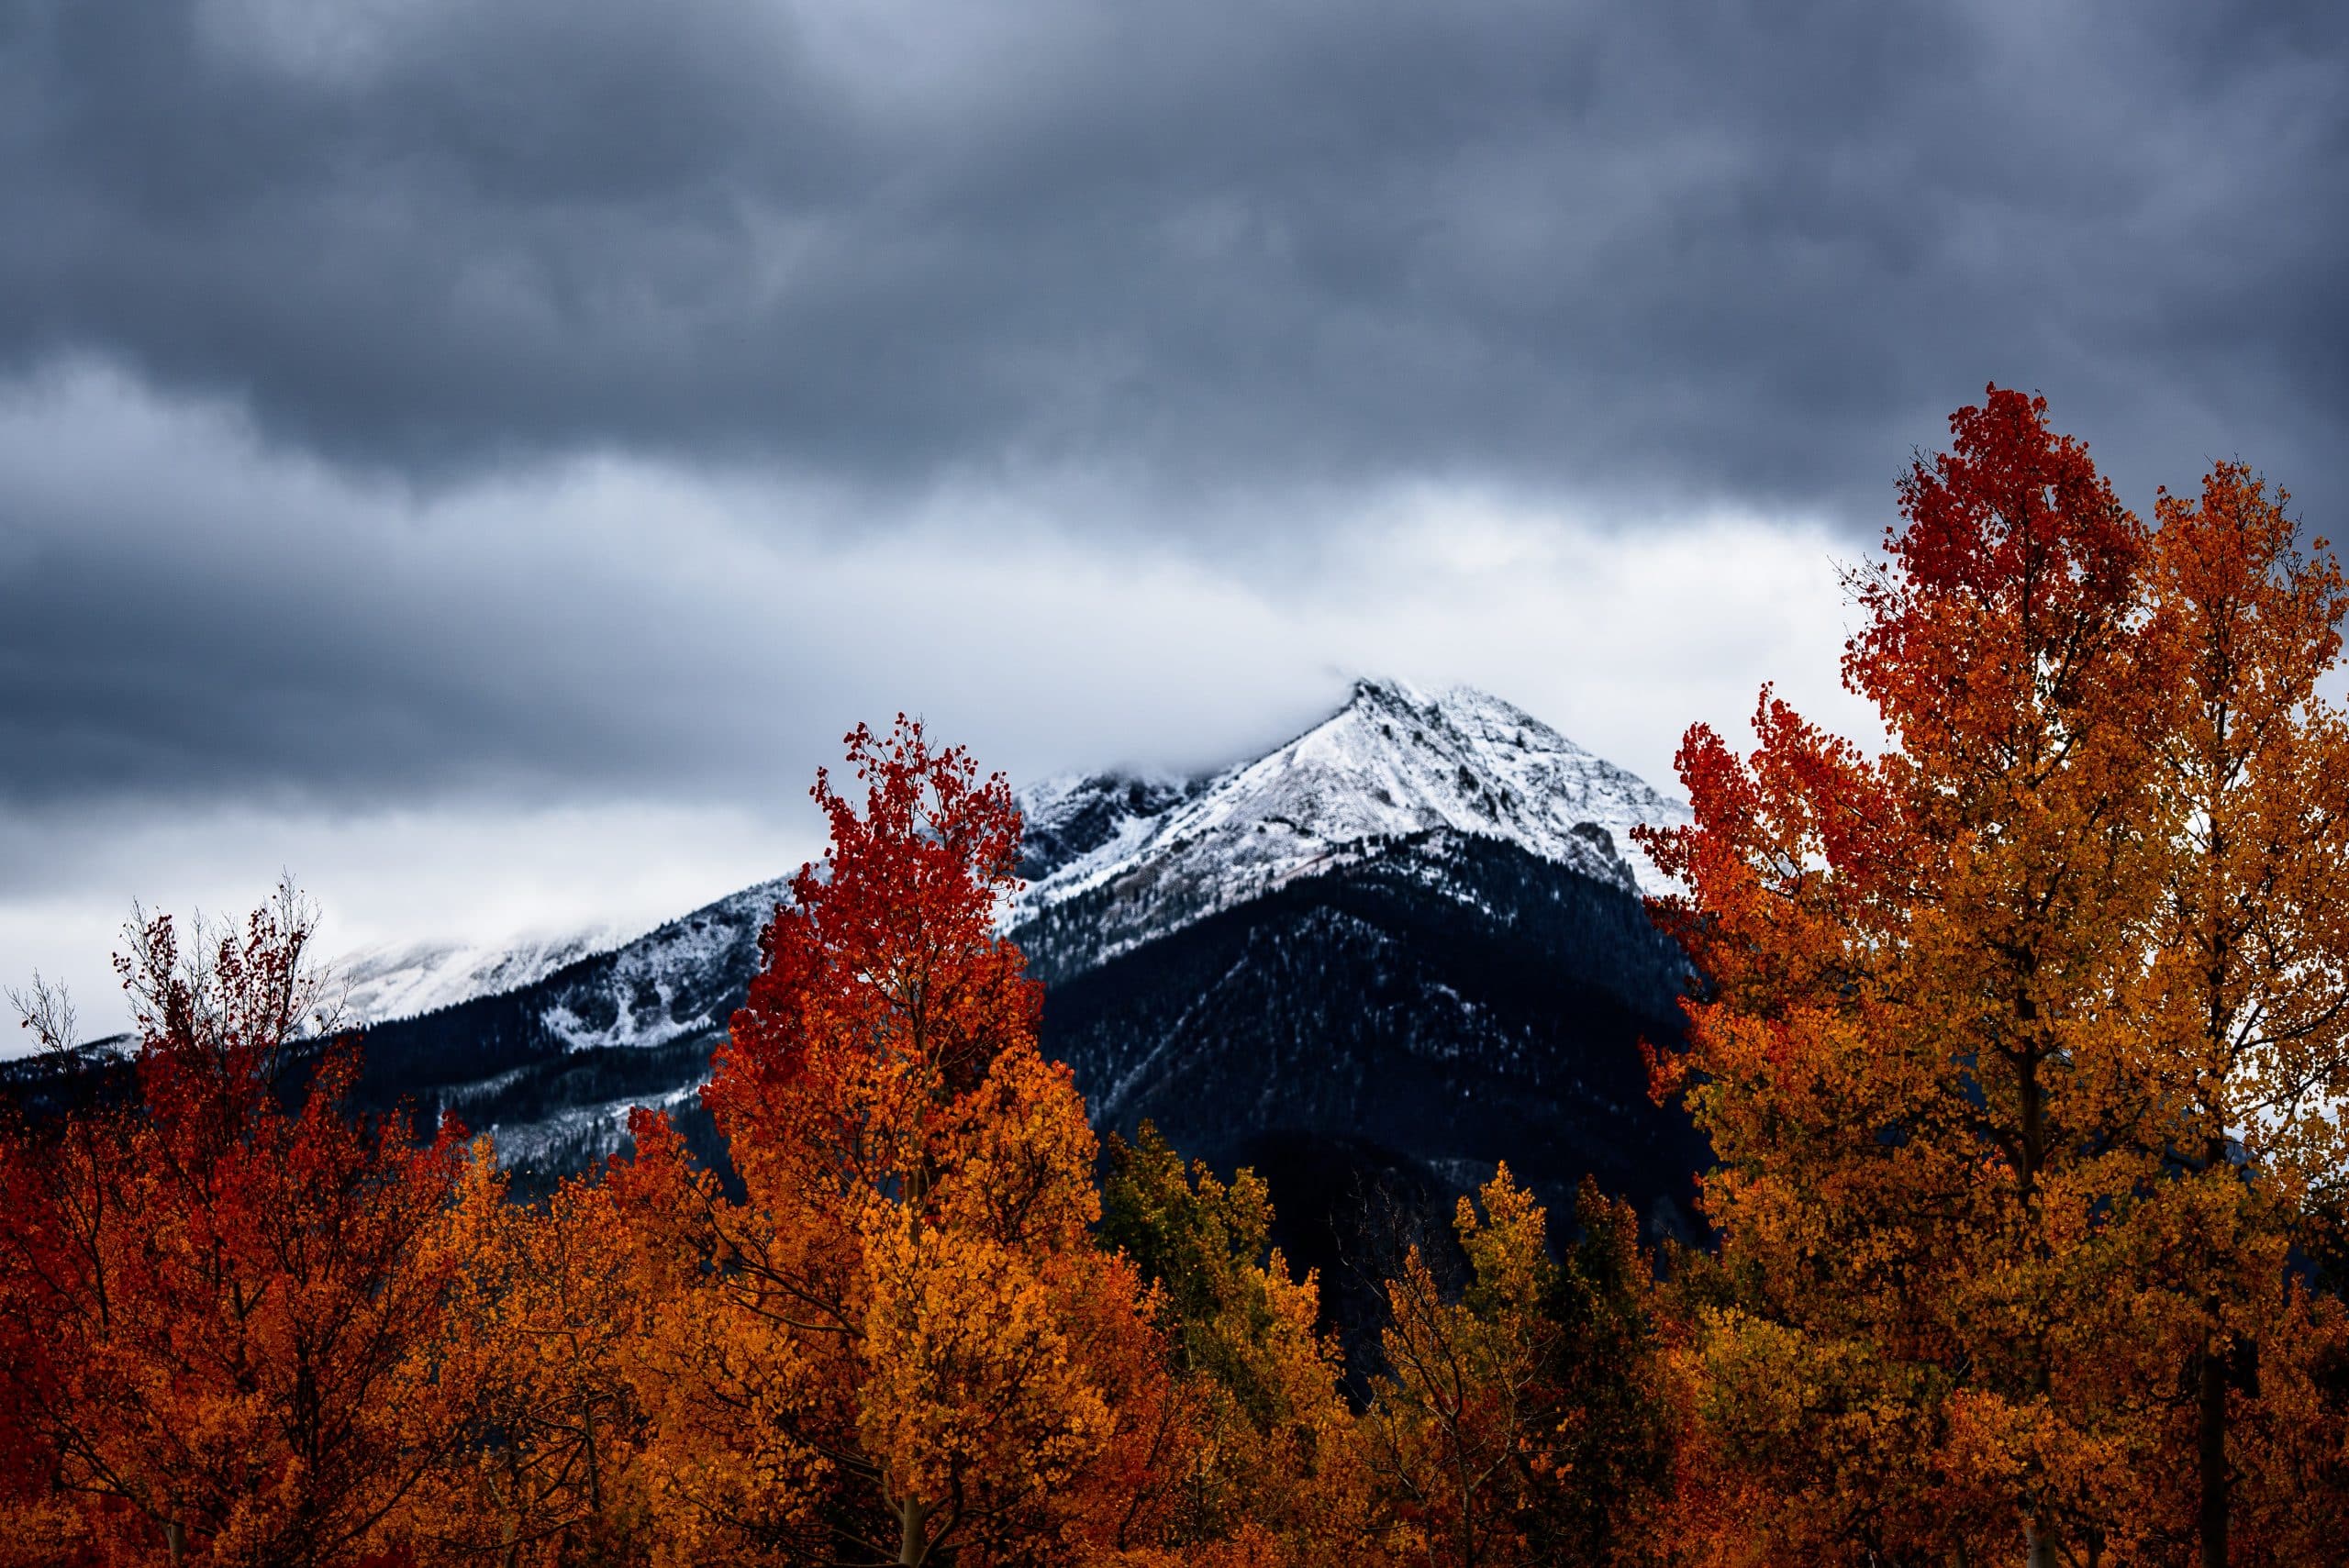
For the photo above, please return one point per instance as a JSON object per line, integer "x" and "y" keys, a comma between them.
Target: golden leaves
{"x": 1988, "y": 1026}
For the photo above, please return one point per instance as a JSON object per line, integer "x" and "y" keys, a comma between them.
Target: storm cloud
{"x": 1714, "y": 250}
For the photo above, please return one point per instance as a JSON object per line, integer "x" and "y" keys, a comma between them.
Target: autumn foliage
{"x": 900, "y": 1344}
{"x": 213, "y": 1304}
{"x": 2020, "y": 1039}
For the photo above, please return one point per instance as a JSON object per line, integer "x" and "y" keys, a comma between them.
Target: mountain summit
{"x": 1129, "y": 858}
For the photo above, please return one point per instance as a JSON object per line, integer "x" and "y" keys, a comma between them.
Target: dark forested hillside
{"x": 1452, "y": 999}
{"x": 1375, "y": 1040}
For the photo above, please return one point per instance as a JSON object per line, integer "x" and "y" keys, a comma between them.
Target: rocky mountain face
{"x": 1375, "y": 1037}
{"x": 1450, "y": 999}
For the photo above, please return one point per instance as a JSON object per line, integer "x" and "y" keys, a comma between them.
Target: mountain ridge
{"x": 402, "y": 980}
{"x": 1393, "y": 761}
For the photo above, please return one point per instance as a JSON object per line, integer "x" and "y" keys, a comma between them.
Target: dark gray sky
{"x": 482, "y": 455}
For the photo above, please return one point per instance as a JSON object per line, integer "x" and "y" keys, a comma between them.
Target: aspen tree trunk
{"x": 913, "y": 1537}
{"x": 595, "y": 1472}
{"x": 2214, "y": 1456}
{"x": 509, "y": 1532}
{"x": 2039, "y": 1548}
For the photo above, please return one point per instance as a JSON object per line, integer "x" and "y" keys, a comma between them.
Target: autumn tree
{"x": 211, "y": 1297}
{"x": 1610, "y": 1444}
{"x": 1464, "y": 1426}
{"x": 1975, "y": 1015}
{"x": 2246, "y": 1007}
{"x": 899, "y": 1343}
{"x": 535, "y": 1347}
{"x": 1275, "y": 1457}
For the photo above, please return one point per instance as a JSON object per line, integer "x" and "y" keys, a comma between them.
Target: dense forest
{"x": 2015, "y": 1051}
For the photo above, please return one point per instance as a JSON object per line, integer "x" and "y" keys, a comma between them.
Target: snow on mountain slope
{"x": 402, "y": 980}
{"x": 1392, "y": 763}
{"x": 645, "y": 989}
{"x": 678, "y": 980}
{"x": 1071, "y": 817}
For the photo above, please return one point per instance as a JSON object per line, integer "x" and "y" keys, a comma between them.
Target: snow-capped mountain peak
{"x": 1394, "y": 761}
{"x": 1425, "y": 802}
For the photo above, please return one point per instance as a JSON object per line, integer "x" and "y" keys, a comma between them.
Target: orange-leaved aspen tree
{"x": 1907, "y": 1045}
{"x": 900, "y": 1343}
{"x": 211, "y": 1297}
{"x": 2016, "y": 1042}
{"x": 2246, "y": 1002}
{"x": 541, "y": 1314}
